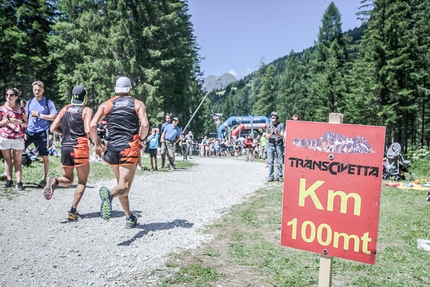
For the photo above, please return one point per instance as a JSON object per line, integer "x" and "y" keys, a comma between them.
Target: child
{"x": 51, "y": 147}
{"x": 152, "y": 147}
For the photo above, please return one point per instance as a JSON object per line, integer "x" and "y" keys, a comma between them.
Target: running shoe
{"x": 20, "y": 186}
{"x": 48, "y": 191}
{"x": 131, "y": 221}
{"x": 8, "y": 183}
{"x": 106, "y": 205}
{"x": 42, "y": 183}
{"x": 73, "y": 216}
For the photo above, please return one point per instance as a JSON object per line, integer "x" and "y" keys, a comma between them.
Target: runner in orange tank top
{"x": 127, "y": 127}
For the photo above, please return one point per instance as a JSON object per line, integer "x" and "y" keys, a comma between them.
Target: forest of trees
{"x": 65, "y": 43}
{"x": 380, "y": 77}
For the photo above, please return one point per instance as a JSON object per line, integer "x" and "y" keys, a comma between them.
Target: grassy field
{"x": 32, "y": 174}
{"x": 247, "y": 251}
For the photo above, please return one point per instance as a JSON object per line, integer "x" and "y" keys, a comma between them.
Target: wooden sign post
{"x": 332, "y": 190}
{"x": 326, "y": 262}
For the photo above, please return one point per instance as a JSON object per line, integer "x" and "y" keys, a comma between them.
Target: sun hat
{"x": 78, "y": 95}
{"x": 274, "y": 114}
{"x": 122, "y": 85}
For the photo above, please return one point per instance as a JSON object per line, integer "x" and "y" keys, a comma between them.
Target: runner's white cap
{"x": 122, "y": 85}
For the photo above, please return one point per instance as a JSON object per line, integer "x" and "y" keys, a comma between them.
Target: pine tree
{"x": 329, "y": 73}
{"x": 24, "y": 56}
{"x": 265, "y": 102}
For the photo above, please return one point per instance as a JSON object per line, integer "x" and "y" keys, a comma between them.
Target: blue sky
{"x": 234, "y": 35}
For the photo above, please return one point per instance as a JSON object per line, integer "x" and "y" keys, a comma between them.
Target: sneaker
{"x": 270, "y": 180}
{"x": 106, "y": 205}
{"x": 20, "y": 186}
{"x": 8, "y": 183}
{"x": 73, "y": 216}
{"x": 138, "y": 167}
{"x": 48, "y": 191}
{"x": 131, "y": 221}
{"x": 42, "y": 183}
{"x": 280, "y": 179}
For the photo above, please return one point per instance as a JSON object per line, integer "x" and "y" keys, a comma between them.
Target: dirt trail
{"x": 39, "y": 247}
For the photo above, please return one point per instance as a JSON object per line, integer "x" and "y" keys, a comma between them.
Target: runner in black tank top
{"x": 127, "y": 125}
{"x": 75, "y": 127}
{"x": 123, "y": 123}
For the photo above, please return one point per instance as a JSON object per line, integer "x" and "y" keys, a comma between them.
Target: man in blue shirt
{"x": 170, "y": 137}
{"x": 40, "y": 111}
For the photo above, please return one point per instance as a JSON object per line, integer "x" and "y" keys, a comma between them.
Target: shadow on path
{"x": 156, "y": 226}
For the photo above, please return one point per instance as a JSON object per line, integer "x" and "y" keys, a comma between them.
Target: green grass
{"x": 249, "y": 239}
{"x": 196, "y": 274}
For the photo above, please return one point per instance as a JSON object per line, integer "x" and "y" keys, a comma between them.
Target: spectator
{"x": 263, "y": 143}
{"x": 152, "y": 147}
{"x": 41, "y": 111}
{"x": 163, "y": 150}
{"x": 275, "y": 146}
{"x": 101, "y": 131}
{"x": 183, "y": 143}
{"x": 12, "y": 132}
{"x": 51, "y": 146}
{"x": 170, "y": 137}
{"x": 249, "y": 145}
{"x": 190, "y": 143}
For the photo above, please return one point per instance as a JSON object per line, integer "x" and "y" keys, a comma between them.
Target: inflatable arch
{"x": 233, "y": 121}
{"x": 242, "y": 127}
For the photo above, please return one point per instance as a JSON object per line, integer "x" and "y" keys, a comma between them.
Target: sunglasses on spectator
{"x": 10, "y": 95}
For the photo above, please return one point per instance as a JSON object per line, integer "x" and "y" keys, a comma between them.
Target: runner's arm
{"x": 87, "y": 116}
{"x": 55, "y": 126}
{"x": 99, "y": 115}
{"x": 143, "y": 119}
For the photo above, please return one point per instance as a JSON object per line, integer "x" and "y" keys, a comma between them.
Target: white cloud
{"x": 247, "y": 72}
{"x": 232, "y": 72}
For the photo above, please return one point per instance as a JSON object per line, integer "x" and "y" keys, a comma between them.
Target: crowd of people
{"x": 122, "y": 117}
{"x": 118, "y": 133}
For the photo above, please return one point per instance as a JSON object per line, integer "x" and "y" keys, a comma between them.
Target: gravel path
{"x": 39, "y": 247}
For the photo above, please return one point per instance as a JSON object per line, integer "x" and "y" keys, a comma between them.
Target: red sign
{"x": 332, "y": 184}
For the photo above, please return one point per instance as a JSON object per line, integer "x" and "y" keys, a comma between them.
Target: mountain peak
{"x": 220, "y": 84}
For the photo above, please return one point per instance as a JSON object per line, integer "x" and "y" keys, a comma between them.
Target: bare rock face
{"x": 220, "y": 84}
